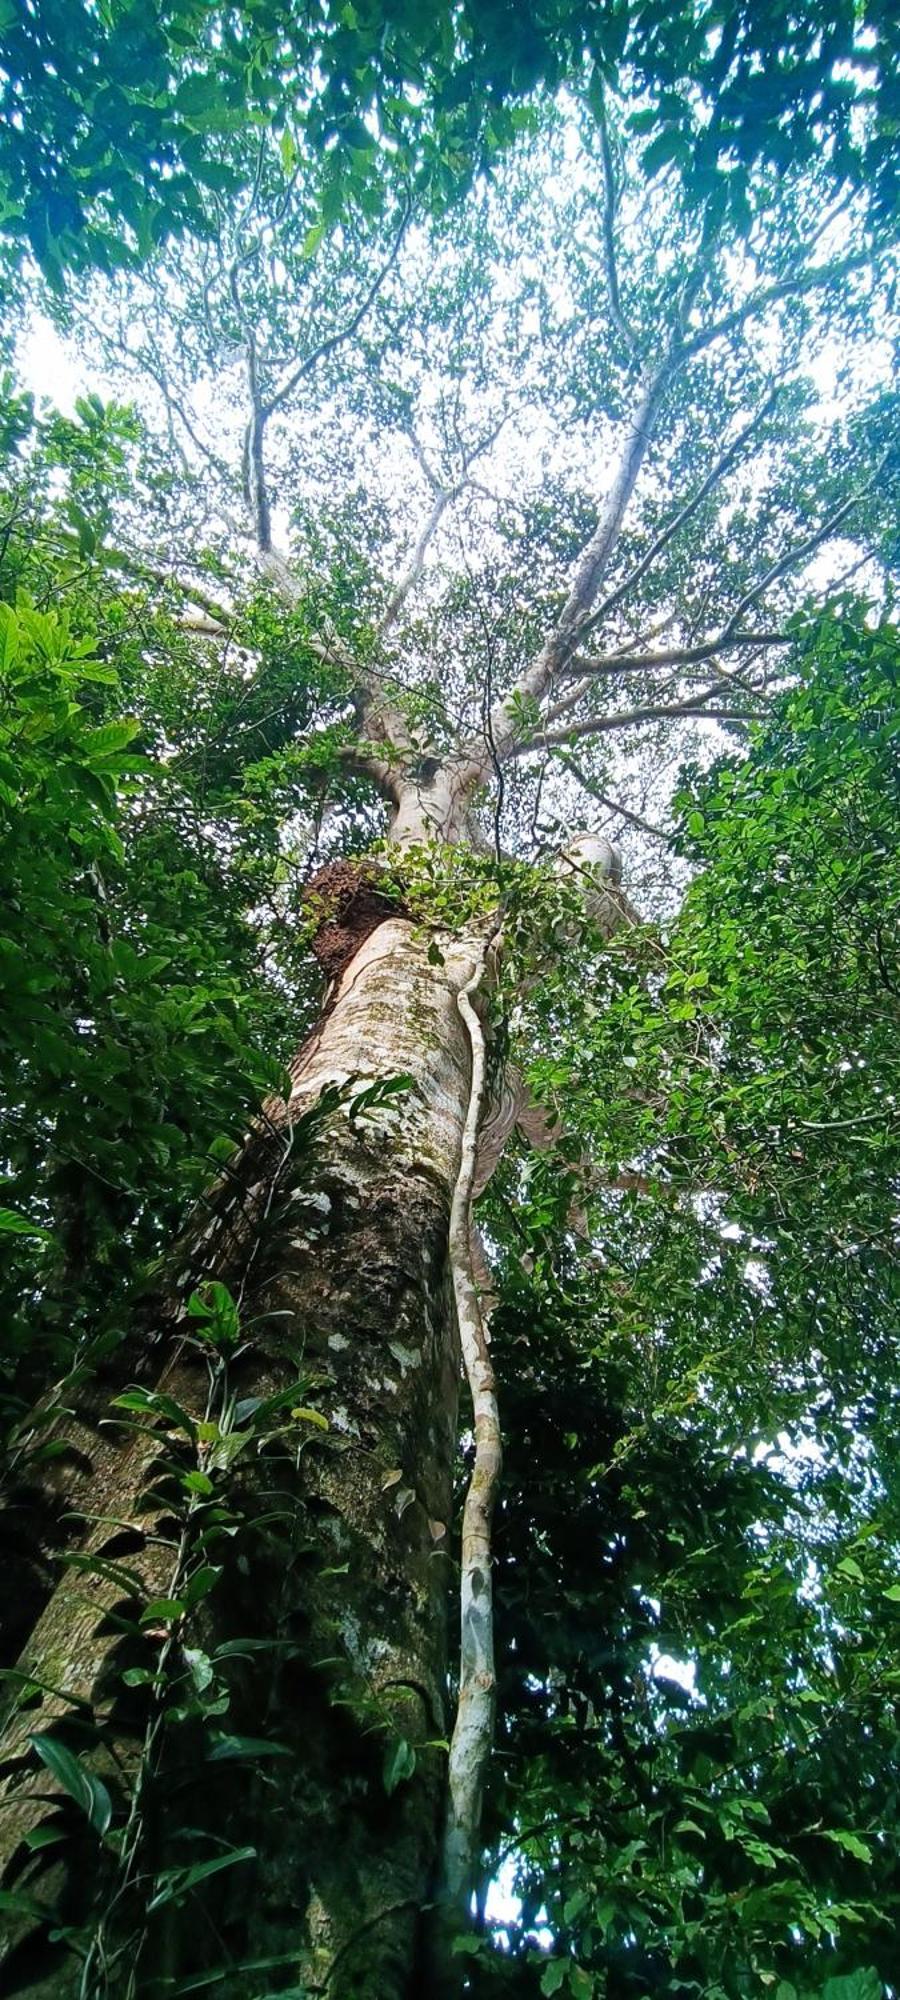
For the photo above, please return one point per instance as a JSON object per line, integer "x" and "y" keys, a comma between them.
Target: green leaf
{"x": 164, "y": 1611}
{"x": 553, "y": 1976}
{"x": 200, "y": 1584}
{"x": 176, "y": 1883}
{"x": 399, "y": 1764}
{"x": 850, "y": 1842}
{"x": 12, "y": 1224}
{"x": 87, "y": 1790}
{"x": 9, "y": 637}
{"x": 43, "y": 1836}
{"x": 312, "y": 239}
{"x": 231, "y": 1749}
{"x": 214, "y": 1305}
{"x": 111, "y": 737}
{"x": 154, "y": 1403}
{"x": 198, "y": 1483}
{"x": 862, "y": 1985}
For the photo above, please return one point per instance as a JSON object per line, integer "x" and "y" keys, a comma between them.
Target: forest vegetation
{"x": 449, "y": 1387}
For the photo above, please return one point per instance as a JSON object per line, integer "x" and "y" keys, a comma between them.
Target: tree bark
{"x": 339, "y": 1576}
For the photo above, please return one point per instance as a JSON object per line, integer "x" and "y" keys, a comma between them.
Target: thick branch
{"x": 628, "y": 718}
{"x": 256, "y": 490}
{"x": 595, "y": 558}
{"x": 554, "y": 654}
{"x": 679, "y": 656}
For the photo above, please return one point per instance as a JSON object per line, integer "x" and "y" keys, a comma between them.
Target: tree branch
{"x": 612, "y": 805}
{"x": 667, "y": 534}
{"x": 445, "y": 498}
{"x": 335, "y": 340}
{"x": 786, "y": 288}
{"x": 610, "y": 205}
{"x": 602, "y": 725}
{"x": 787, "y": 562}
{"x": 595, "y": 558}
{"x": 679, "y": 656}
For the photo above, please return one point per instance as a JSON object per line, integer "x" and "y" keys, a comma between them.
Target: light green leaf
{"x": 399, "y": 1764}
{"x": 12, "y": 1224}
{"x": 850, "y": 1842}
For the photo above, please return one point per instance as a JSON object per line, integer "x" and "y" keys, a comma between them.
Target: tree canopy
{"x": 118, "y": 122}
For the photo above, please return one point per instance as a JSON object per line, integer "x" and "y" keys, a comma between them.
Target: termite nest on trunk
{"x": 344, "y": 902}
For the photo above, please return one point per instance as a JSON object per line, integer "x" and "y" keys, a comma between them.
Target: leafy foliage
{"x": 697, "y": 1552}
{"x": 121, "y": 125}
{"x": 142, "y": 791}
{"x": 697, "y": 1600}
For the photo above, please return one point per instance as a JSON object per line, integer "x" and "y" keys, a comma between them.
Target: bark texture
{"x": 340, "y": 1260}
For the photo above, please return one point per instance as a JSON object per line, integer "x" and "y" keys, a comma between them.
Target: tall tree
{"x": 357, "y": 552}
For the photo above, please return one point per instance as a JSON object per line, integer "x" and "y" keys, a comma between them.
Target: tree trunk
{"x": 334, "y": 1559}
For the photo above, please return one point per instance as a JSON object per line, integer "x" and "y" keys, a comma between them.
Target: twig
{"x": 342, "y": 333}
{"x": 612, "y": 805}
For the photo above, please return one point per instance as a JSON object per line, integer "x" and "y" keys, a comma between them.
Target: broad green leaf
{"x": 88, "y": 1791}
{"x": 13, "y": 1224}
{"x": 850, "y": 1842}
{"x": 111, "y": 737}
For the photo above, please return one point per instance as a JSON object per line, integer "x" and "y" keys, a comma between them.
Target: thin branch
{"x": 610, "y": 205}
{"x": 758, "y": 302}
{"x": 603, "y": 725}
{"x": 787, "y": 562}
{"x": 593, "y": 670}
{"x": 219, "y": 614}
{"x": 336, "y": 339}
{"x": 667, "y": 534}
{"x": 446, "y": 496}
{"x": 247, "y": 210}
{"x": 612, "y": 805}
